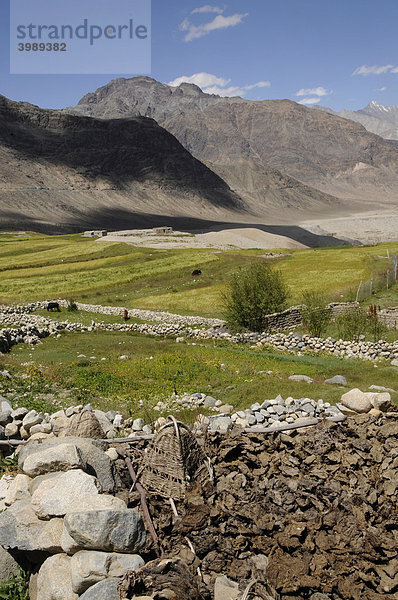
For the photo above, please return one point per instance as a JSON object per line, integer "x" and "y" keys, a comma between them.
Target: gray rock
{"x": 226, "y": 589}
{"x": 138, "y": 424}
{"x": 259, "y": 417}
{"x": 54, "y": 581}
{"x": 381, "y": 401}
{"x": 32, "y": 418}
{"x": 105, "y": 423}
{"x": 8, "y": 565}
{"x": 5, "y": 410}
{"x": 61, "y": 457}
{"x": 92, "y": 452}
{"x": 21, "y": 529}
{"x": 394, "y": 362}
{"x": 356, "y": 400}
{"x": 209, "y": 402}
{"x": 220, "y": 424}
{"x": 73, "y": 410}
{"x": 279, "y": 410}
{"x": 301, "y": 378}
{"x": 89, "y": 503}
{"x": 103, "y": 590}
{"x": 308, "y": 408}
{"x": 251, "y": 419}
{"x": 109, "y": 530}
{"x": 337, "y": 380}
{"x": 11, "y": 430}
{"x": 89, "y": 567}
{"x": 19, "y": 489}
{"x": 85, "y": 425}
{"x": 380, "y": 388}
{"x": 41, "y": 428}
{"x": 55, "y": 495}
{"x": 111, "y": 414}
{"x": 19, "y": 413}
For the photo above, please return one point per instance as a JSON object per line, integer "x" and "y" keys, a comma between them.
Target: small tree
{"x": 316, "y": 316}
{"x": 252, "y": 294}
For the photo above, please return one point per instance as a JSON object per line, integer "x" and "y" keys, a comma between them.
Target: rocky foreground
{"x": 310, "y": 514}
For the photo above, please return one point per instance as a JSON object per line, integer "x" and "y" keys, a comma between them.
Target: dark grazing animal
{"x": 53, "y": 306}
{"x": 196, "y": 272}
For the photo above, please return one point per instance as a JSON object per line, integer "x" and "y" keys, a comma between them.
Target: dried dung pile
{"x": 314, "y": 512}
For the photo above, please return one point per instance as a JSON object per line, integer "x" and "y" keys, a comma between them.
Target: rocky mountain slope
{"x": 257, "y": 146}
{"x": 69, "y": 172}
{"x": 62, "y": 172}
{"x": 376, "y": 118}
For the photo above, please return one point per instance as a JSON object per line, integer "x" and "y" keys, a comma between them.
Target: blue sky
{"x": 336, "y": 53}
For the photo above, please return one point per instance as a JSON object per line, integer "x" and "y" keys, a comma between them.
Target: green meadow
{"x": 89, "y": 368}
{"x": 35, "y": 266}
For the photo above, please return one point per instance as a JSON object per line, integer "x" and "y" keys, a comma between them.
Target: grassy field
{"x": 153, "y": 365}
{"x": 35, "y": 266}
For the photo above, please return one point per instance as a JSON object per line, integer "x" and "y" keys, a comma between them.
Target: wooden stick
{"x": 144, "y": 504}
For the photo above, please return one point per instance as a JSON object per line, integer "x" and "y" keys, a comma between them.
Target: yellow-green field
{"x": 35, "y": 266}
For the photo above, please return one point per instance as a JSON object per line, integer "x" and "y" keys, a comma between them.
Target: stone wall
{"x": 291, "y": 318}
{"x": 390, "y": 317}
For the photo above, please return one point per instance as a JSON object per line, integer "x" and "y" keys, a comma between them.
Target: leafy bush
{"x": 316, "y": 316}
{"x": 15, "y": 588}
{"x": 352, "y": 324}
{"x": 72, "y": 306}
{"x": 360, "y": 321}
{"x": 254, "y": 293}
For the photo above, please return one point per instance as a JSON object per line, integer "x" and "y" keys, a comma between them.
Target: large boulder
{"x": 54, "y": 581}
{"x": 103, "y": 590}
{"x": 55, "y": 495}
{"x": 88, "y": 503}
{"x": 109, "y": 530}
{"x": 357, "y": 401}
{"x": 61, "y": 457}
{"x": 85, "y": 425}
{"x": 90, "y": 567}
{"x": 92, "y": 453}
{"x": 21, "y": 529}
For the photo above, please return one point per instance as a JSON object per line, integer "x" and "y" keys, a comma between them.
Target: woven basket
{"x": 172, "y": 461}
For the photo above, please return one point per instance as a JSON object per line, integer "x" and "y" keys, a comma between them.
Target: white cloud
{"x": 208, "y": 9}
{"x": 203, "y": 80}
{"x": 219, "y": 22}
{"x": 374, "y": 70}
{"x": 382, "y": 89}
{"x": 211, "y": 84}
{"x": 318, "y": 91}
{"x": 309, "y": 101}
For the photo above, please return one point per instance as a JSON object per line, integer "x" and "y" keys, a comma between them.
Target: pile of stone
{"x": 62, "y": 518}
{"x": 31, "y": 328}
{"x": 312, "y": 512}
{"x": 82, "y": 421}
{"x": 85, "y": 421}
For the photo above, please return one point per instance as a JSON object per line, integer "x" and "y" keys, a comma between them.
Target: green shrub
{"x": 352, "y": 324}
{"x": 15, "y": 588}
{"x": 252, "y": 294}
{"x": 316, "y": 316}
